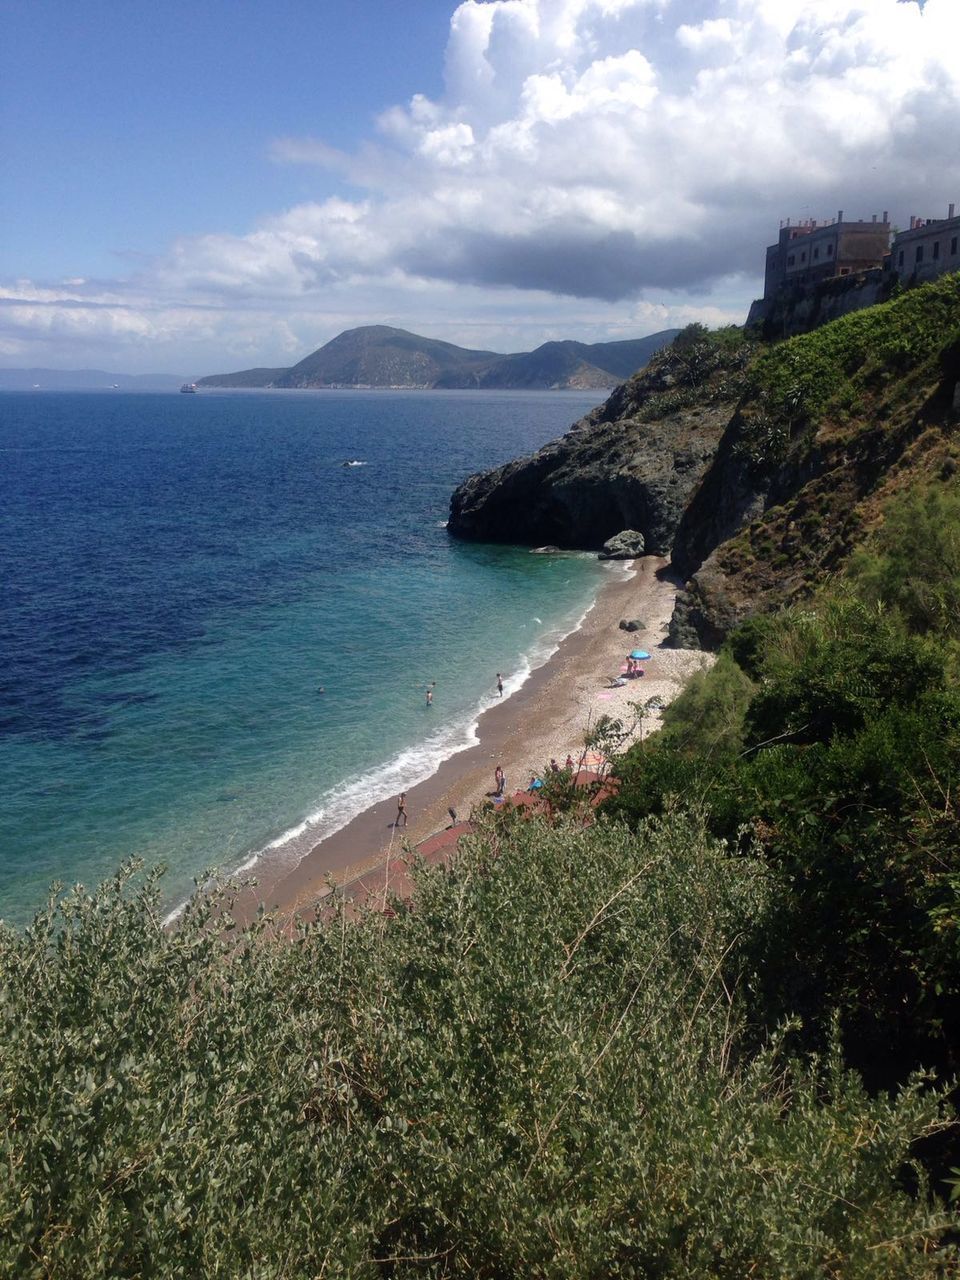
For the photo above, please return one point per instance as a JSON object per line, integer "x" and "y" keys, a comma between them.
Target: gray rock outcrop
{"x": 631, "y": 464}
{"x": 623, "y": 546}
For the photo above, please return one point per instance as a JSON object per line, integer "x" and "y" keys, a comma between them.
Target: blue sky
{"x": 129, "y": 122}
{"x": 198, "y": 187}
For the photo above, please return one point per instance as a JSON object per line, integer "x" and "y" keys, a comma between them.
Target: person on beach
{"x": 401, "y": 809}
{"x": 554, "y": 767}
{"x": 568, "y": 763}
{"x": 499, "y": 684}
{"x": 500, "y": 781}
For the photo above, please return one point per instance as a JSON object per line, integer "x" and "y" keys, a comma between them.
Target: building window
{"x": 816, "y": 253}
{"x": 900, "y": 259}
{"x": 936, "y": 250}
{"x": 791, "y": 260}
{"x": 953, "y": 247}
{"x": 803, "y": 257}
{"x": 919, "y": 257}
{"x": 829, "y": 250}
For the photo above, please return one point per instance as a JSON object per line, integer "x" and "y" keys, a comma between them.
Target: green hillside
{"x": 831, "y": 424}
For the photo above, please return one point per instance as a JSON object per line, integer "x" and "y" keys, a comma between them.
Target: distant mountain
{"x": 379, "y": 356}
{"x": 245, "y": 378}
{"x": 86, "y": 380}
{"x": 576, "y": 364}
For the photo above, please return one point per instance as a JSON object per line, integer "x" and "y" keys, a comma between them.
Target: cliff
{"x": 631, "y": 464}
{"x": 796, "y": 309}
{"x": 757, "y": 467}
{"x": 832, "y": 424}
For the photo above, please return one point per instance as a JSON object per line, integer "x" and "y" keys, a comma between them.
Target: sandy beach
{"x": 548, "y": 717}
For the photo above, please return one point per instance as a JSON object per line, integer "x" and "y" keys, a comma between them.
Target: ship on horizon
{"x": 189, "y": 389}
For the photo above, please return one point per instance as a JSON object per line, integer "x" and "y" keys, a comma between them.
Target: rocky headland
{"x": 758, "y": 468}
{"x": 631, "y": 464}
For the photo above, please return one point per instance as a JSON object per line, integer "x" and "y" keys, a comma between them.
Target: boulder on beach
{"x": 632, "y": 624}
{"x": 626, "y": 545}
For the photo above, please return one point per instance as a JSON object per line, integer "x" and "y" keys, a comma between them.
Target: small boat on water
{"x": 188, "y": 389}
{"x": 353, "y": 462}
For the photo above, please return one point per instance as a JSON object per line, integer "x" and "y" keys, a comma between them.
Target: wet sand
{"x": 549, "y": 716}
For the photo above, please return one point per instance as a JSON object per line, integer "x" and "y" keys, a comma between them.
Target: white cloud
{"x": 614, "y": 152}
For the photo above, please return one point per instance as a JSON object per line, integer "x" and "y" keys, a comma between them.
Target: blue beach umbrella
{"x": 640, "y": 654}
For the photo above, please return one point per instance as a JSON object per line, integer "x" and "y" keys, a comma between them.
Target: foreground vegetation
{"x": 829, "y": 737}
{"x": 542, "y": 1067}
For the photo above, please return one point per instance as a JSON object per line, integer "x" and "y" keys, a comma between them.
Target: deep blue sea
{"x": 181, "y": 575}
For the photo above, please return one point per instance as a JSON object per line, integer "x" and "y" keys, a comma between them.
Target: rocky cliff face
{"x": 631, "y": 464}
{"x": 799, "y": 309}
{"x": 759, "y": 469}
{"x": 832, "y": 425}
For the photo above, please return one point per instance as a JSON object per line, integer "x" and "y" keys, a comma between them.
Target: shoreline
{"x": 548, "y": 715}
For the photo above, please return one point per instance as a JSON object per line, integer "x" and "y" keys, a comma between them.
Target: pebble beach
{"x": 549, "y": 717}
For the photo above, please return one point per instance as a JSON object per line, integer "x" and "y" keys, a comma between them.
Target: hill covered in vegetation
{"x": 829, "y": 426}
{"x": 381, "y": 356}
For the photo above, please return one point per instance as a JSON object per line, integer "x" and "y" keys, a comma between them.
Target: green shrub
{"x": 913, "y": 562}
{"x": 708, "y": 716}
{"x": 538, "y": 1068}
{"x": 849, "y": 765}
{"x": 829, "y": 672}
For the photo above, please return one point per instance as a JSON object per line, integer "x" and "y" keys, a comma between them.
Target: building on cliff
{"x": 806, "y": 253}
{"x": 818, "y": 271}
{"x": 929, "y": 248}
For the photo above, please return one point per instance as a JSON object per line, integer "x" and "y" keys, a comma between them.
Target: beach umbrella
{"x": 640, "y": 654}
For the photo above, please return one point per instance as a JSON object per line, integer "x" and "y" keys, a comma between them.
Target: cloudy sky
{"x": 196, "y": 187}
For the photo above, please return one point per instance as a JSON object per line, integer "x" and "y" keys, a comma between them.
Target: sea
{"x": 216, "y": 638}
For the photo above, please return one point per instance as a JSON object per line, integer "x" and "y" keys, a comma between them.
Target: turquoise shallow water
{"x": 180, "y": 575}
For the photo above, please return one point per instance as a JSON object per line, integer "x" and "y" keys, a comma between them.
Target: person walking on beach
{"x": 500, "y": 780}
{"x": 499, "y": 684}
{"x": 401, "y": 809}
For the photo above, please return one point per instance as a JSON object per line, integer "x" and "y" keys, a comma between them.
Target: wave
{"x": 408, "y": 768}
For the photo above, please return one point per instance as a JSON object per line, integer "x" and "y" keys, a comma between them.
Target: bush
{"x": 830, "y": 672}
{"x": 535, "y": 1069}
{"x": 709, "y": 714}
{"x": 847, "y": 776}
{"x": 913, "y": 562}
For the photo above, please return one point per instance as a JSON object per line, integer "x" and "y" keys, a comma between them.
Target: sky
{"x": 197, "y": 186}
